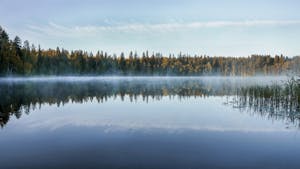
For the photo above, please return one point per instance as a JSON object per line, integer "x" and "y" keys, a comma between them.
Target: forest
{"x": 19, "y": 58}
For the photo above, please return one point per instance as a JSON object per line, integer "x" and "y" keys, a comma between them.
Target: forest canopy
{"x": 22, "y": 58}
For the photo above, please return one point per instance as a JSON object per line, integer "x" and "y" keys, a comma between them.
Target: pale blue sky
{"x": 211, "y": 27}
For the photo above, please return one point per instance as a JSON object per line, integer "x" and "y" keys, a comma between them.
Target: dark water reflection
{"x": 147, "y": 122}
{"x": 260, "y": 95}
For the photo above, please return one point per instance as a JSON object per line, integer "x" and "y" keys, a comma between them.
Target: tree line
{"x": 17, "y": 58}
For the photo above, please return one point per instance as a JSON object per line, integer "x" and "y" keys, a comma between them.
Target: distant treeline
{"x": 17, "y": 58}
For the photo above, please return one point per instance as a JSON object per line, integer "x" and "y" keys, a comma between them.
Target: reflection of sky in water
{"x": 167, "y": 114}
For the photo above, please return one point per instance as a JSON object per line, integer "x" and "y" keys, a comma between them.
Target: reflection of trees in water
{"x": 272, "y": 101}
{"x": 18, "y": 97}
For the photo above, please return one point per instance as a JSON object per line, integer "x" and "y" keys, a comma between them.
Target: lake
{"x": 148, "y": 122}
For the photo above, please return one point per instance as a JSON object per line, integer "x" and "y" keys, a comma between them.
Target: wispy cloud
{"x": 74, "y": 31}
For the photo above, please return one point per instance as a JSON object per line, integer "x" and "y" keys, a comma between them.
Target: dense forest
{"x": 17, "y": 58}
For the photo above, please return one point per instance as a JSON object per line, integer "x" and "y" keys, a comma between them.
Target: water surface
{"x": 147, "y": 122}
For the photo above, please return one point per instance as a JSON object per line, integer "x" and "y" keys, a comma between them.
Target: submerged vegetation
{"x": 25, "y": 59}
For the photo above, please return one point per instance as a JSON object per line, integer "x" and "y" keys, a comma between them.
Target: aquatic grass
{"x": 276, "y": 101}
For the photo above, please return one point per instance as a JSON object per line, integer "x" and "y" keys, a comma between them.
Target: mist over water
{"x": 246, "y": 79}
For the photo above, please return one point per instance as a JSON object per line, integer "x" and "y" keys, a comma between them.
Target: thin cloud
{"x": 74, "y": 31}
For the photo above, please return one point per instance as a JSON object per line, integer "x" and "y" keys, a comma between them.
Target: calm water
{"x": 115, "y": 122}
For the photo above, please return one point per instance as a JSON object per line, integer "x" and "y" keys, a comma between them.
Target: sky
{"x": 202, "y": 27}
